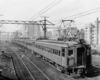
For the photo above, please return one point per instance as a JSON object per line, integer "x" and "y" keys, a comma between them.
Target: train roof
{"x": 68, "y": 43}
{"x": 65, "y": 44}
{"x": 53, "y": 43}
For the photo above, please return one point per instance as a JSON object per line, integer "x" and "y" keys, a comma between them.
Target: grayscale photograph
{"x": 49, "y": 40}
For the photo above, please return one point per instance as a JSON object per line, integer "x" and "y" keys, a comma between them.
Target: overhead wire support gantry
{"x": 42, "y": 23}
{"x": 17, "y": 22}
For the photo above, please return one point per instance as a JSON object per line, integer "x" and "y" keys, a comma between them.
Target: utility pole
{"x": 97, "y": 31}
{"x": 44, "y": 24}
{"x": 45, "y": 28}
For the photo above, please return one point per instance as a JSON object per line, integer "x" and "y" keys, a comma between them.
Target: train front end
{"x": 83, "y": 57}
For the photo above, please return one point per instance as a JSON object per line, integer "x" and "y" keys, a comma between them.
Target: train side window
{"x": 53, "y": 51}
{"x": 59, "y": 53}
{"x": 49, "y": 50}
{"x": 70, "y": 52}
{"x": 38, "y": 46}
{"x": 46, "y": 48}
{"x": 56, "y": 52}
{"x": 43, "y": 47}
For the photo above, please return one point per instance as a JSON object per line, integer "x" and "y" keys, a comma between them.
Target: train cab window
{"x": 70, "y": 52}
{"x": 63, "y": 50}
{"x": 63, "y": 54}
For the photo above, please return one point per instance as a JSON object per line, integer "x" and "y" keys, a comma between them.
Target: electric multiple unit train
{"x": 66, "y": 56}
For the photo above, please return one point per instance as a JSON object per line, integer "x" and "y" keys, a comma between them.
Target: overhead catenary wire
{"x": 80, "y": 14}
{"x": 48, "y": 9}
{"x": 71, "y": 6}
{"x": 41, "y": 12}
{"x": 38, "y": 14}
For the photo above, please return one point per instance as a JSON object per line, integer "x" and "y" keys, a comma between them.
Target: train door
{"x": 71, "y": 57}
{"x": 81, "y": 56}
{"x": 63, "y": 56}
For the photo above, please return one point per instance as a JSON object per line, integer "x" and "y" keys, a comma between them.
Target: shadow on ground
{"x": 4, "y": 78}
{"x": 93, "y": 72}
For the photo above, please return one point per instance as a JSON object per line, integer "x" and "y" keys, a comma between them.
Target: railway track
{"x": 31, "y": 71}
{"x": 20, "y": 69}
{"x": 34, "y": 71}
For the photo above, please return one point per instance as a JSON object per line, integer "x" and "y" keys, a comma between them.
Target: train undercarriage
{"x": 72, "y": 71}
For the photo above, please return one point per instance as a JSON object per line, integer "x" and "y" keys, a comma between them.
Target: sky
{"x": 60, "y": 9}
